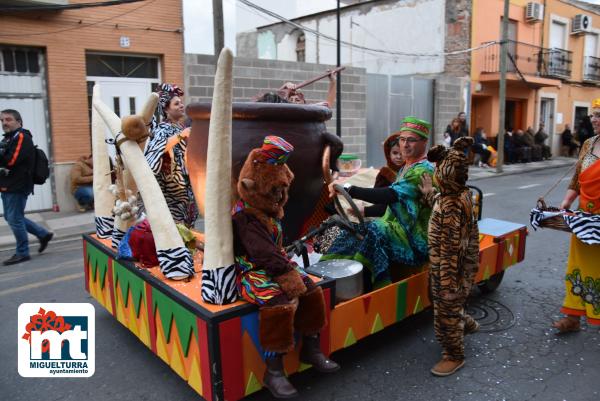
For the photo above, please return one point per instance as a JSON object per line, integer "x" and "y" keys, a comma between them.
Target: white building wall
{"x": 413, "y": 26}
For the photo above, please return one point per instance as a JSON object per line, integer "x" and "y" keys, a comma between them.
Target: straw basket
{"x": 555, "y": 222}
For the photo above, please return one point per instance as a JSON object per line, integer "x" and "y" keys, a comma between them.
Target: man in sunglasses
{"x": 399, "y": 237}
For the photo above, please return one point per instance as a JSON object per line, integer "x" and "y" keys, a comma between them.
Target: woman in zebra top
{"x": 165, "y": 153}
{"x": 582, "y": 296}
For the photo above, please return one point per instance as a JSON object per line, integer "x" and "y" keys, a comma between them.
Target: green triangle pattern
{"x": 377, "y": 324}
{"x": 97, "y": 258}
{"x": 129, "y": 282}
{"x": 486, "y": 272}
{"x": 253, "y": 384}
{"x": 185, "y": 321}
{"x": 350, "y": 338}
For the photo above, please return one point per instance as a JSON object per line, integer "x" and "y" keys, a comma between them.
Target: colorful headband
{"x": 275, "y": 150}
{"x": 167, "y": 92}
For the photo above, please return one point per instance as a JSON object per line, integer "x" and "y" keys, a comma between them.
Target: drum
{"x": 347, "y": 274}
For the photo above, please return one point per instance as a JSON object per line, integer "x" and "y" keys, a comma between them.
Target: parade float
{"x": 194, "y": 321}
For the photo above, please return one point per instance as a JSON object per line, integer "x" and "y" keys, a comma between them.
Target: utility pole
{"x": 218, "y": 31}
{"x": 502, "y": 88}
{"x": 338, "y": 100}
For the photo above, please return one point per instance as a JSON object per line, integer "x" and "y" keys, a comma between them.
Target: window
{"x": 103, "y": 65}
{"x": 300, "y": 48}
{"x": 19, "y": 60}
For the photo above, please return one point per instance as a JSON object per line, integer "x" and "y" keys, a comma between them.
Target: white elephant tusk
{"x": 103, "y": 197}
{"x": 174, "y": 258}
{"x": 218, "y": 271}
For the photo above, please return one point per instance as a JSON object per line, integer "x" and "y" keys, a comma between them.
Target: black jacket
{"x": 17, "y": 155}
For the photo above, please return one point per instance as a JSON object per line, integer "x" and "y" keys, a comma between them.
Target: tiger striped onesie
{"x": 453, "y": 240}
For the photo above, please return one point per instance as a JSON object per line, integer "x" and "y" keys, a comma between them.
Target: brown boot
{"x": 275, "y": 379}
{"x": 311, "y": 353}
{"x": 447, "y": 367}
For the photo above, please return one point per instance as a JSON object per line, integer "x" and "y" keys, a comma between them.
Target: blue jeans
{"x": 84, "y": 195}
{"x": 14, "y": 214}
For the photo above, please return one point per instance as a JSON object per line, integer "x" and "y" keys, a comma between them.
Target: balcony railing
{"x": 528, "y": 59}
{"x": 591, "y": 69}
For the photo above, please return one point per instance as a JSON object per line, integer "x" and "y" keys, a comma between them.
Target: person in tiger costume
{"x": 453, "y": 238}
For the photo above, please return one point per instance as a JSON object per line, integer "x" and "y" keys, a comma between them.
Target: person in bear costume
{"x": 287, "y": 297}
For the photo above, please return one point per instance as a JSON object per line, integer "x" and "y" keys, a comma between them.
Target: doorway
{"x": 547, "y": 117}
{"x": 513, "y": 115}
{"x": 580, "y": 113}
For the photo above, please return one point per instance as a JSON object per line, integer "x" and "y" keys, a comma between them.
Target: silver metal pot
{"x": 346, "y": 273}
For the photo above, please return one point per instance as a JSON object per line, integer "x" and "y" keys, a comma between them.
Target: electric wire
{"x": 20, "y": 34}
{"x": 365, "y": 48}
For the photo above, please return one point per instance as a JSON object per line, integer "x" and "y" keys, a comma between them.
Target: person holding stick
{"x": 290, "y": 92}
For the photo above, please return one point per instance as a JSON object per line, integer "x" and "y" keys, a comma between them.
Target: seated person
{"x": 536, "y": 150}
{"x": 522, "y": 151}
{"x": 387, "y": 174}
{"x": 540, "y": 140}
{"x": 400, "y": 236}
{"x": 82, "y": 178}
{"x": 480, "y": 146}
{"x": 568, "y": 140}
{"x": 510, "y": 154}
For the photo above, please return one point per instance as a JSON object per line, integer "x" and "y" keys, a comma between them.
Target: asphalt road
{"x": 516, "y": 356}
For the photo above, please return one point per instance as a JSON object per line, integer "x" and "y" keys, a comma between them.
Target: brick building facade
{"x": 67, "y": 40}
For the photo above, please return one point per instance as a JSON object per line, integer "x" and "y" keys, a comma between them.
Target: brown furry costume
{"x": 287, "y": 297}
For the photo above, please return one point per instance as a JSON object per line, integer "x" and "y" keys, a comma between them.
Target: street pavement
{"x": 516, "y": 355}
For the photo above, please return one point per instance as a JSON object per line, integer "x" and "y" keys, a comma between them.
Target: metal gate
{"x": 390, "y": 98}
{"x": 23, "y": 88}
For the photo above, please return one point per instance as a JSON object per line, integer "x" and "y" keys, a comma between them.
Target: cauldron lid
{"x": 265, "y": 111}
{"x": 336, "y": 268}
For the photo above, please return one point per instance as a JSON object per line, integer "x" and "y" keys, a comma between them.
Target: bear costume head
{"x": 452, "y": 166}
{"x": 265, "y": 179}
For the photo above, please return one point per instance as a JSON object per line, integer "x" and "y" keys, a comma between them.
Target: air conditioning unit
{"x": 534, "y": 12}
{"x": 581, "y": 23}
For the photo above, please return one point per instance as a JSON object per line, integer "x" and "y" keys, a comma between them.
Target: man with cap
{"x": 400, "y": 236}
{"x": 288, "y": 299}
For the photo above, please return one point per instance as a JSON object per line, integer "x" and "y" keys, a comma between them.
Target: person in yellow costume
{"x": 582, "y": 279}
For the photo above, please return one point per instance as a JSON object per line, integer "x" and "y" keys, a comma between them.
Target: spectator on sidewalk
{"x": 17, "y": 158}
{"x": 82, "y": 178}
{"x": 509, "y": 147}
{"x": 522, "y": 150}
{"x": 568, "y": 141}
{"x": 454, "y": 130}
{"x": 480, "y": 146}
{"x": 540, "y": 139}
{"x": 536, "y": 150}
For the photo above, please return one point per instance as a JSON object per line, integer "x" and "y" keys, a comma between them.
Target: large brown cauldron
{"x": 301, "y": 125}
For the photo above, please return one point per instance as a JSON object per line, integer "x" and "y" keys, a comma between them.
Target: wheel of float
{"x": 491, "y": 284}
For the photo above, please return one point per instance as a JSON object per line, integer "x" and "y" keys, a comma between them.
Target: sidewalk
{"x": 69, "y": 225}
{"x": 479, "y": 173}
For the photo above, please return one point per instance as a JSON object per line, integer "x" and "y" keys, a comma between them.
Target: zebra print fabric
{"x": 117, "y": 236}
{"x": 172, "y": 175}
{"x": 219, "y": 285}
{"x": 585, "y": 226}
{"x": 176, "y": 263}
{"x": 104, "y": 226}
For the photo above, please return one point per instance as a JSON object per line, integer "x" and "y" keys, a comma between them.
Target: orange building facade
{"x": 50, "y": 59}
{"x": 551, "y": 73}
